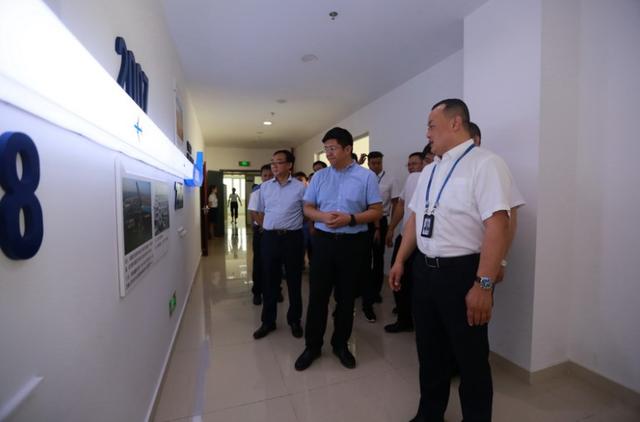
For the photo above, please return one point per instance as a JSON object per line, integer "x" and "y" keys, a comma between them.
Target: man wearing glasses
{"x": 341, "y": 200}
{"x": 282, "y": 242}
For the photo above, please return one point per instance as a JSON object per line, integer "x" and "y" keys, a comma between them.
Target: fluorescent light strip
{"x": 46, "y": 71}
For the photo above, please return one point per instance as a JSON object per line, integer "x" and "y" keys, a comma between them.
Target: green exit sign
{"x": 244, "y": 163}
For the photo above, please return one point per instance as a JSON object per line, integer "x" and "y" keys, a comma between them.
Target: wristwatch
{"x": 485, "y": 283}
{"x": 352, "y": 222}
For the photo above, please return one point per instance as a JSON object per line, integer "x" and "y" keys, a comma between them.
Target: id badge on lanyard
{"x": 427, "y": 225}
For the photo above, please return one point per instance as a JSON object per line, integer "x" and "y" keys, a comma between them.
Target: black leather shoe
{"x": 398, "y": 327}
{"x": 263, "y": 330}
{"x": 296, "y": 330}
{"x": 369, "y": 314}
{"x": 346, "y": 358}
{"x": 257, "y": 300}
{"x": 306, "y": 359}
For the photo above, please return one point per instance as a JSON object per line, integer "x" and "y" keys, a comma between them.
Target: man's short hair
{"x": 289, "y": 157}
{"x": 474, "y": 131}
{"x": 455, "y": 107}
{"x": 375, "y": 154}
{"x": 426, "y": 150}
{"x": 354, "y": 156}
{"x": 265, "y": 167}
{"x": 342, "y": 136}
{"x": 300, "y": 174}
{"x": 321, "y": 163}
{"x": 418, "y": 154}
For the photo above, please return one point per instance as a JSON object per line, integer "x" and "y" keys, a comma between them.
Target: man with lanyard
{"x": 374, "y": 271}
{"x": 341, "y": 200}
{"x": 256, "y": 223}
{"x": 280, "y": 200}
{"x": 401, "y": 213}
{"x": 459, "y": 220}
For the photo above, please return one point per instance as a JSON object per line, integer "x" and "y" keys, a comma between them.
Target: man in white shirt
{"x": 400, "y": 214}
{"x": 256, "y": 223}
{"x": 459, "y": 221}
{"x": 372, "y": 283}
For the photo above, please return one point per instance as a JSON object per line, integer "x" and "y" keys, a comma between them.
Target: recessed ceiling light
{"x": 307, "y": 58}
{"x": 267, "y": 123}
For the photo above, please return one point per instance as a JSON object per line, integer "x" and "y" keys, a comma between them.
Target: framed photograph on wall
{"x": 179, "y": 202}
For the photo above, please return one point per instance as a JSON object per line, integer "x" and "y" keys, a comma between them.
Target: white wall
{"x": 97, "y": 23}
{"x": 61, "y": 315}
{"x": 397, "y": 121}
{"x": 502, "y": 90}
{"x": 552, "y": 85}
{"x": 227, "y": 158}
{"x": 604, "y": 330}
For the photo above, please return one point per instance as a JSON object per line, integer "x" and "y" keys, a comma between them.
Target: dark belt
{"x": 330, "y": 235}
{"x": 279, "y": 232}
{"x": 443, "y": 262}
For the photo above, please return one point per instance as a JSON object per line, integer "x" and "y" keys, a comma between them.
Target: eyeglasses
{"x": 276, "y": 163}
{"x": 332, "y": 148}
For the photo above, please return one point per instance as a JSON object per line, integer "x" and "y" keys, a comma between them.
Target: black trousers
{"x": 234, "y": 210}
{"x": 257, "y": 273}
{"x": 373, "y": 284}
{"x": 403, "y": 296}
{"x": 278, "y": 248}
{"x": 443, "y": 338}
{"x": 335, "y": 264}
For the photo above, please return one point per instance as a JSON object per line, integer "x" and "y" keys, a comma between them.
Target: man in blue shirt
{"x": 341, "y": 200}
{"x": 280, "y": 200}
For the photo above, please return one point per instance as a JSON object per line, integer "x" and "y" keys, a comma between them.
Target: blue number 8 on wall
{"x": 19, "y": 196}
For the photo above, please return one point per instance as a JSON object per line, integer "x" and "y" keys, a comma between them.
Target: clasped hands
{"x": 336, "y": 219}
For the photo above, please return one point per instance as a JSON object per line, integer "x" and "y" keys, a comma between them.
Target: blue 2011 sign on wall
{"x": 20, "y": 195}
{"x": 131, "y": 76}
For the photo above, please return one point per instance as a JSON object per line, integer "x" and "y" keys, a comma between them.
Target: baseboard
{"x": 154, "y": 400}
{"x": 625, "y": 394}
{"x": 568, "y": 368}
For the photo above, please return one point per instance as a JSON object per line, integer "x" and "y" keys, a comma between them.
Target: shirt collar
{"x": 455, "y": 152}
{"x": 275, "y": 180}
{"x": 347, "y": 168}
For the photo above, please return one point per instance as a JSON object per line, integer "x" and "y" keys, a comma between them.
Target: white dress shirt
{"x": 388, "y": 190}
{"x": 479, "y": 186}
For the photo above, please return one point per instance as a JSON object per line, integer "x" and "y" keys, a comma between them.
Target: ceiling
{"x": 241, "y": 56}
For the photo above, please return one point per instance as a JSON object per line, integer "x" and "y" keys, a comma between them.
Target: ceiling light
{"x": 333, "y": 15}
{"x": 267, "y": 123}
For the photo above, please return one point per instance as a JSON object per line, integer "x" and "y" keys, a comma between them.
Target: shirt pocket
{"x": 457, "y": 196}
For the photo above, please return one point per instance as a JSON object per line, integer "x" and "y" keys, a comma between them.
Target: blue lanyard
{"x": 445, "y": 180}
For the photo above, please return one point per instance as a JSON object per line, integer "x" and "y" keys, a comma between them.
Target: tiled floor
{"x": 218, "y": 372}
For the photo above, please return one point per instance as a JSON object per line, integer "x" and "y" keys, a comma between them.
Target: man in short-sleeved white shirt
{"x": 389, "y": 192}
{"x": 459, "y": 221}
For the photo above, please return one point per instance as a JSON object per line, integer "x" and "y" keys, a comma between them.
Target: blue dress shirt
{"x": 350, "y": 190}
{"x": 281, "y": 204}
